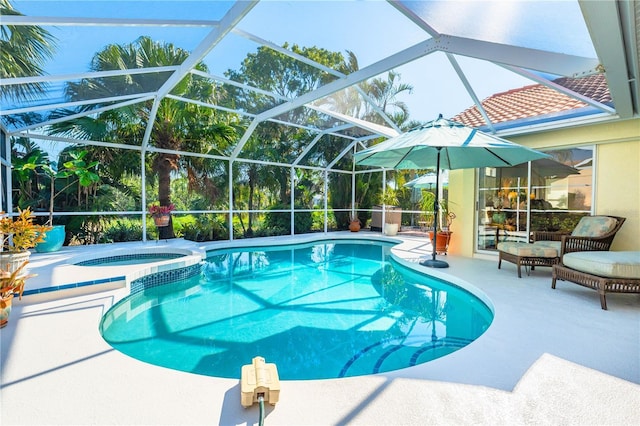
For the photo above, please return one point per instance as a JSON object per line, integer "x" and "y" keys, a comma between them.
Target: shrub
{"x": 281, "y": 221}
{"x": 270, "y": 232}
{"x": 87, "y": 231}
{"x": 205, "y": 228}
{"x": 123, "y": 229}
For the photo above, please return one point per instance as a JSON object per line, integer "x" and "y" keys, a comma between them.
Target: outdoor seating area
{"x": 593, "y": 233}
{"x": 603, "y": 271}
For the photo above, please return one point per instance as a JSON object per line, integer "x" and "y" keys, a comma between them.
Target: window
{"x": 543, "y": 195}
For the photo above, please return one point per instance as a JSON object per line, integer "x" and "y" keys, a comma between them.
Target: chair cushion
{"x": 594, "y": 226}
{"x": 609, "y": 264}
{"x": 527, "y": 250}
{"x": 556, "y": 245}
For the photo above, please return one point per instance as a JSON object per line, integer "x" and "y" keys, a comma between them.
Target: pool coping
{"x": 56, "y": 270}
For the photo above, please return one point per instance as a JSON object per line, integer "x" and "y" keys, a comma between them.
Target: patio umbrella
{"x": 445, "y": 144}
{"x": 416, "y": 193}
{"x": 424, "y": 181}
{"x": 427, "y": 181}
{"x": 543, "y": 167}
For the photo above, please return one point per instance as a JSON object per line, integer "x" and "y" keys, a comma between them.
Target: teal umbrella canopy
{"x": 445, "y": 144}
{"x": 459, "y": 147}
{"x": 425, "y": 181}
{"x": 544, "y": 167}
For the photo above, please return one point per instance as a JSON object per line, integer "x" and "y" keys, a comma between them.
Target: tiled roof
{"x": 536, "y": 100}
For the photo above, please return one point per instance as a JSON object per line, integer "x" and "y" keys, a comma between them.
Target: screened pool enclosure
{"x": 246, "y": 115}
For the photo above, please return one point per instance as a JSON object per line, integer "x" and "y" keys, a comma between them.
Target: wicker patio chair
{"x": 605, "y": 272}
{"x": 593, "y": 233}
{"x": 593, "y": 241}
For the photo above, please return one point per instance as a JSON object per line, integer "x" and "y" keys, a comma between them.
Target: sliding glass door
{"x": 546, "y": 195}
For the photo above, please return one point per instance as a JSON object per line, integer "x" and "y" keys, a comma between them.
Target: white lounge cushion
{"x": 609, "y": 264}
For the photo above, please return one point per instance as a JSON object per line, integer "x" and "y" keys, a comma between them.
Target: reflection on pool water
{"x": 320, "y": 310}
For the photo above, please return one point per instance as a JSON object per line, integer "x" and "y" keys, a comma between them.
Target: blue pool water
{"x": 323, "y": 310}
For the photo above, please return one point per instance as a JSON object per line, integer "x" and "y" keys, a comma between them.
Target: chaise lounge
{"x": 603, "y": 271}
{"x": 593, "y": 233}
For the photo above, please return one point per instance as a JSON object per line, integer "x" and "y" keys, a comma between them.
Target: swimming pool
{"x": 318, "y": 310}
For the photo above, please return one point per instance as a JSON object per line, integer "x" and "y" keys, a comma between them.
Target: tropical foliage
{"x": 186, "y": 122}
{"x": 21, "y": 233}
{"x": 13, "y": 281}
{"x": 76, "y": 172}
{"x": 275, "y": 142}
{"x": 24, "y": 49}
{"x": 178, "y": 126}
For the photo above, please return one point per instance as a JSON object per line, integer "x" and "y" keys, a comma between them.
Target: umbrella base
{"x": 434, "y": 263}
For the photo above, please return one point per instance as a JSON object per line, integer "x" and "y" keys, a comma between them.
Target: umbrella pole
{"x": 433, "y": 262}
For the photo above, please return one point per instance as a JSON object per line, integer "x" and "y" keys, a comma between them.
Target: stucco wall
{"x": 618, "y": 189}
{"x": 617, "y": 171}
{"x": 462, "y": 189}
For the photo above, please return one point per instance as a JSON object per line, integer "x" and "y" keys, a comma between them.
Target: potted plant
{"x": 446, "y": 216}
{"x": 445, "y": 219}
{"x": 11, "y": 282}
{"x": 75, "y": 167}
{"x": 392, "y": 213}
{"x": 17, "y": 236}
{"x": 161, "y": 214}
{"x": 354, "y": 224}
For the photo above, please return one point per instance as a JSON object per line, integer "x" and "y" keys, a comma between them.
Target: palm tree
{"x": 178, "y": 126}
{"x": 384, "y": 93}
{"x": 24, "y": 50}
{"x": 289, "y": 78}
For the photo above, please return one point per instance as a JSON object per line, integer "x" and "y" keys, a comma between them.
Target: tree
{"x": 76, "y": 167}
{"x": 24, "y": 49}
{"x": 178, "y": 126}
{"x": 383, "y": 95}
{"x": 289, "y": 78}
{"x": 286, "y": 77}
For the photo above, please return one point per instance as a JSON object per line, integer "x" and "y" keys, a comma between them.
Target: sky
{"x": 371, "y": 29}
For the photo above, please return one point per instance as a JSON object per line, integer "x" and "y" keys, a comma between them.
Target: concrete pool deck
{"x": 549, "y": 357}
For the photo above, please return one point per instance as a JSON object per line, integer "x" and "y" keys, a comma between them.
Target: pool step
{"x": 408, "y": 355}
